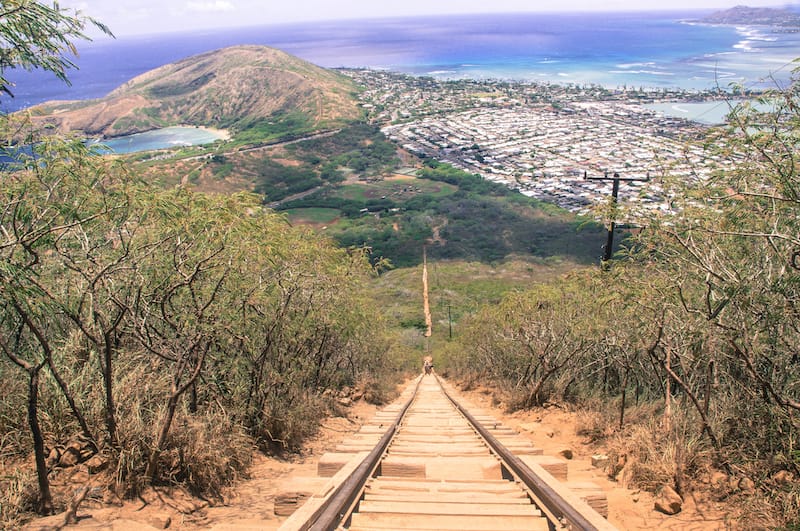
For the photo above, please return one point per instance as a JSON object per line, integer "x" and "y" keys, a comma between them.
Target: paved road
{"x": 321, "y": 134}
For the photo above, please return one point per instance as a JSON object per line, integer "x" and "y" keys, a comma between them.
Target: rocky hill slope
{"x": 237, "y": 88}
{"x": 755, "y": 15}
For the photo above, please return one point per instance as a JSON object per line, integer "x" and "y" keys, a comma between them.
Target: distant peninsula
{"x": 760, "y": 16}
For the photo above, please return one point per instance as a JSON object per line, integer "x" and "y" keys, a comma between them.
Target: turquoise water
{"x": 659, "y": 50}
{"x": 168, "y": 137}
{"x": 709, "y": 113}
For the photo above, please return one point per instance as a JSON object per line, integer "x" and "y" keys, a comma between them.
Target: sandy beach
{"x": 222, "y": 134}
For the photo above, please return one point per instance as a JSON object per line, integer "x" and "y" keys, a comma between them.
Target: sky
{"x": 130, "y": 17}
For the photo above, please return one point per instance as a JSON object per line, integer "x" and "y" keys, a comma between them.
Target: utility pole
{"x": 616, "y": 179}
{"x": 450, "y": 320}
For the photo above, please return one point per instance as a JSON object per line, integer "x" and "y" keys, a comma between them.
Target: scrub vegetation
{"x": 697, "y": 325}
{"x": 158, "y": 335}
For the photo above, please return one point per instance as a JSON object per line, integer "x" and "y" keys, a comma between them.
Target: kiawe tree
{"x": 701, "y": 318}
{"x": 218, "y": 301}
{"x": 153, "y": 317}
{"x": 187, "y": 296}
{"x": 52, "y": 204}
{"x": 737, "y": 247}
{"x": 35, "y": 35}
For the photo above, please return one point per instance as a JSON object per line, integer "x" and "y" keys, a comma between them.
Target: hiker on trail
{"x": 427, "y": 364}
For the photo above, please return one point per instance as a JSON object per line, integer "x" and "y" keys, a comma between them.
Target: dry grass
{"x": 787, "y": 500}
{"x": 649, "y": 452}
{"x": 758, "y": 513}
{"x": 378, "y": 391}
{"x": 17, "y": 496}
{"x": 290, "y": 420}
{"x": 13, "y": 420}
{"x": 206, "y": 453}
{"x": 645, "y": 454}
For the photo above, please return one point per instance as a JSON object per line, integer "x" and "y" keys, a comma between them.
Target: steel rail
{"x": 552, "y": 501}
{"x": 331, "y": 513}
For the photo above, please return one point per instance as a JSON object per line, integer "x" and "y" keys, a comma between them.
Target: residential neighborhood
{"x": 544, "y": 140}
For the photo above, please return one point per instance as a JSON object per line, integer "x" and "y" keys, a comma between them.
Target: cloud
{"x": 210, "y": 6}
{"x": 79, "y": 6}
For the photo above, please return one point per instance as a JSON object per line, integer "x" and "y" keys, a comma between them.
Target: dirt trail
{"x": 250, "y": 505}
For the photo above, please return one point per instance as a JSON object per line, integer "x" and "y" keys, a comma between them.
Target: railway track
{"x": 427, "y": 463}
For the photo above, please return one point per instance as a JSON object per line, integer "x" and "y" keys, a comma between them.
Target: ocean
{"x": 656, "y": 50}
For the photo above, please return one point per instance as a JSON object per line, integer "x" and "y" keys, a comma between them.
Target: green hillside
{"x": 455, "y": 214}
{"x": 165, "y": 316}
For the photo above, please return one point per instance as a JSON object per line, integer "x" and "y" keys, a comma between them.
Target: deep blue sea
{"x": 612, "y": 49}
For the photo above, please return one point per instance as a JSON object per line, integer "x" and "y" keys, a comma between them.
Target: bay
{"x": 167, "y": 137}
{"x": 709, "y": 113}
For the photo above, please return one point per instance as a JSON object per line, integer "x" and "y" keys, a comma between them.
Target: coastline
{"x": 221, "y": 134}
{"x": 575, "y": 49}
{"x": 166, "y": 138}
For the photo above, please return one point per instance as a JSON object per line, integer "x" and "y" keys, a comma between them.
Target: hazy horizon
{"x": 141, "y": 17}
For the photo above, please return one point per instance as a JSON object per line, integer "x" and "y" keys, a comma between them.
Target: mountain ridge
{"x": 742, "y": 14}
{"x": 237, "y": 88}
